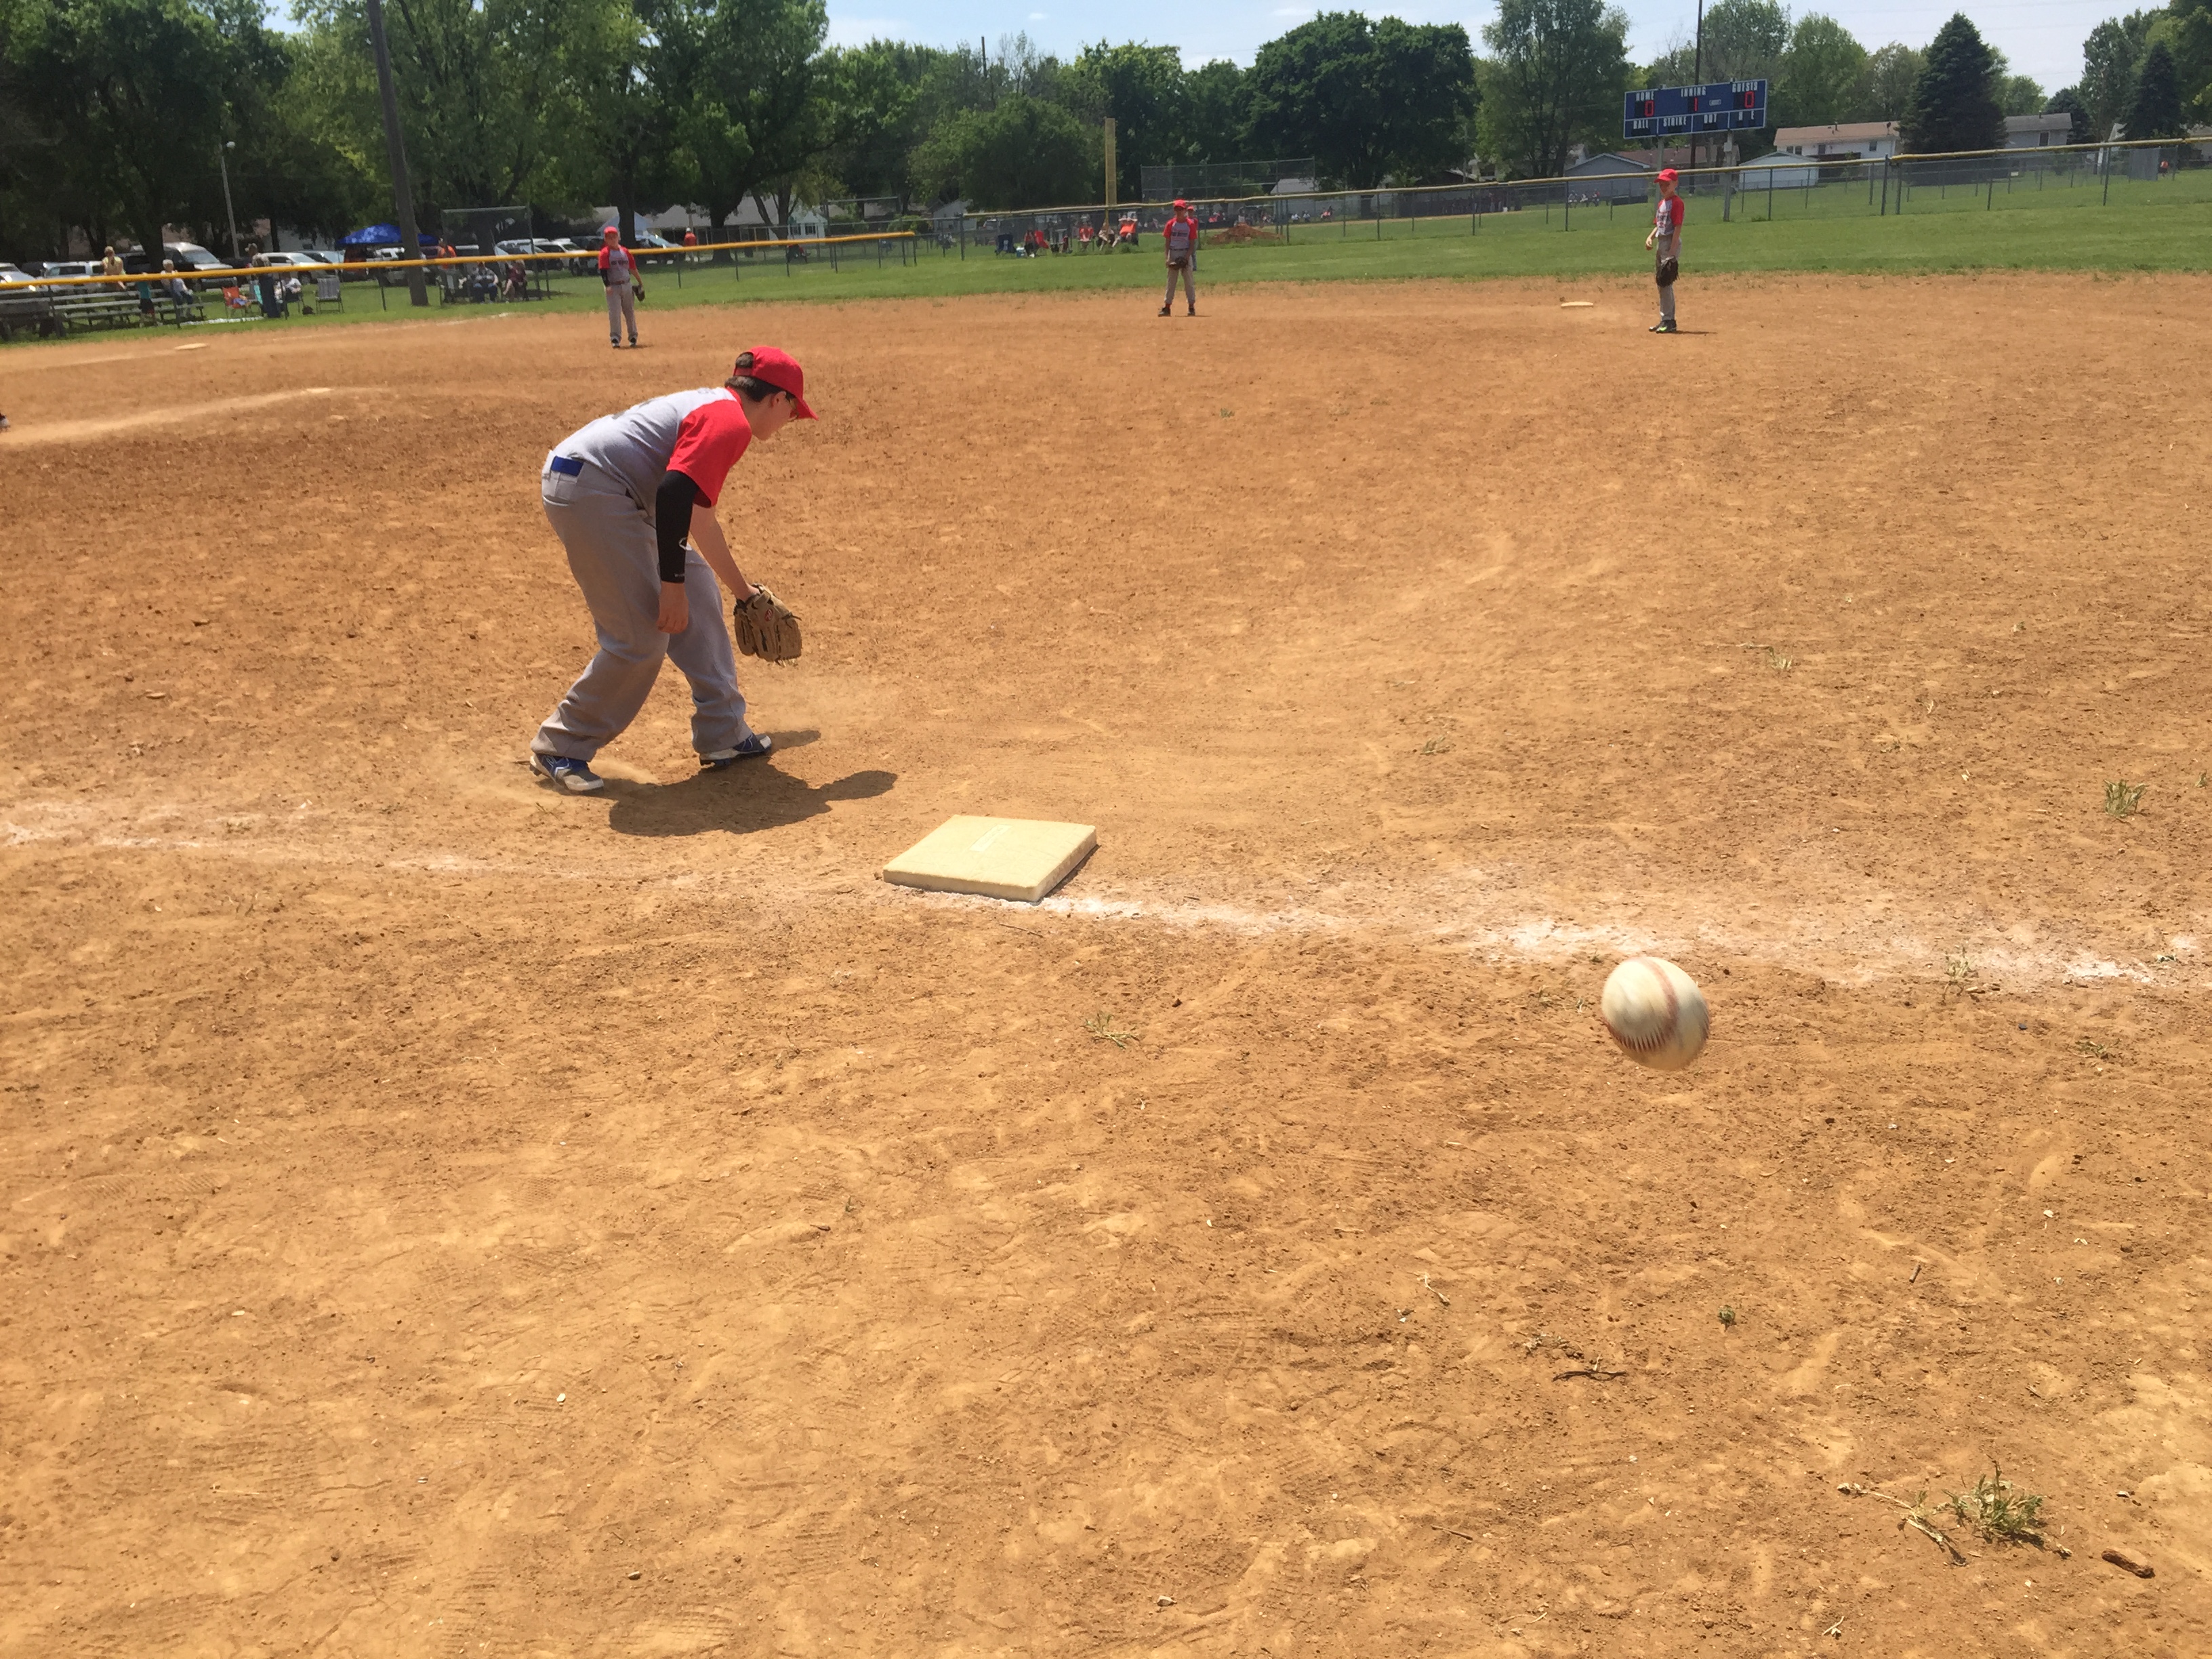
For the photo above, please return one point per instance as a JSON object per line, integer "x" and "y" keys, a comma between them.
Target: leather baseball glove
{"x": 767, "y": 627}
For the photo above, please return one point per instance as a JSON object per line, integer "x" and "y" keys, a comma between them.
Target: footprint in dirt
{"x": 749, "y": 796}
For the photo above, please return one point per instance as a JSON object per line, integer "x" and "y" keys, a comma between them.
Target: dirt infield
{"x": 442, "y": 1217}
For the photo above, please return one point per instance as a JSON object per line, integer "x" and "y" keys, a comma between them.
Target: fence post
{"x": 2107, "y": 202}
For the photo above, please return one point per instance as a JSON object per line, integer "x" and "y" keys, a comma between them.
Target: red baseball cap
{"x": 780, "y": 370}
{"x": 611, "y": 230}
{"x": 1180, "y": 202}
{"x": 1669, "y": 176}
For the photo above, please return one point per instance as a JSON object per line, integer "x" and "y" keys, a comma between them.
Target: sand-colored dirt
{"x": 444, "y": 1217}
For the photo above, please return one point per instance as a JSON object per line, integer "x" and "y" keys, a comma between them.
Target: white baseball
{"x": 1655, "y": 1012}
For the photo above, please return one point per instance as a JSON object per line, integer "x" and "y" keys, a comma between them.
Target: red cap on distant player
{"x": 1669, "y": 176}
{"x": 611, "y": 230}
{"x": 1180, "y": 202}
{"x": 780, "y": 370}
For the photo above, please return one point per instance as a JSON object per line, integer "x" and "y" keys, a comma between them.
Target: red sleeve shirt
{"x": 708, "y": 443}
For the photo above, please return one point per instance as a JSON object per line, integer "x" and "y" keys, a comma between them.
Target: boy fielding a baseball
{"x": 1666, "y": 243}
{"x": 1180, "y": 238}
{"x": 620, "y": 494}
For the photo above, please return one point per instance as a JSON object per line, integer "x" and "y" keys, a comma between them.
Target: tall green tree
{"x": 2022, "y": 94}
{"x": 625, "y": 135}
{"x": 137, "y": 93}
{"x": 2154, "y": 111}
{"x": 1366, "y": 99}
{"x": 1954, "y": 102}
{"x": 1025, "y": 152}
{"x": 1821, "y": 73}
{"x": 1141, "y": 87}
{"x": 2191, "y": 35}
{"x": 1892, "y": 73}
{"x": 2110, "y": 57}
{"x": 1213, "y": 113}
{"x": 755, "y": 100}
{"x": 485, "y": 88}
{"x": 1555, "y": 79}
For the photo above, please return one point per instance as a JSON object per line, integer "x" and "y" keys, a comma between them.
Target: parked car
{"x": 296, "y": 258}
{"x": 31, "y": 309}
{"x": 191, "y": 256}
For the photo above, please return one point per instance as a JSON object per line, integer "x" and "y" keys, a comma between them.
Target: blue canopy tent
{"x": 382, "y": 236}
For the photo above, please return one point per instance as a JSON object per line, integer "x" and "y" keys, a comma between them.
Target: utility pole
{"x": 228, "y": 211}
{"x": 1110, "y": 164}
{"x": 402, "y": 193}
{"x": 1697, "y": 74}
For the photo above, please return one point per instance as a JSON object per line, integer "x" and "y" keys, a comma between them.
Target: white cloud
{"x": 1039, "y": 17}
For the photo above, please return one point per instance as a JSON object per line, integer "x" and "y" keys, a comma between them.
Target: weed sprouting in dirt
{"x": 1998, "y": 1511}
{"x": 2094, "y": 1048}
{"x": 1918, "y": 1515}
{"x": 2123, "y": 800}
{"x": 1100, "y": 1025}
{"x": 1728, "y": 1318}
{"x": 1780, "y": 663}
{"x": 1959, "y": 969}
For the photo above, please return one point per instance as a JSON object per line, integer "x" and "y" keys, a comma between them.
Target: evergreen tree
{"x": 2154, "y": 111}
{"x": 1955, "y": 102}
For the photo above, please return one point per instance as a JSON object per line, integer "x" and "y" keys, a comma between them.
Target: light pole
{"x": 403, "y": 195}
{"x": 229, "y": 212}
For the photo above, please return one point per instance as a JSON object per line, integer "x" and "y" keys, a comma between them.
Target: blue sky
{"x": 2042, "y": 38}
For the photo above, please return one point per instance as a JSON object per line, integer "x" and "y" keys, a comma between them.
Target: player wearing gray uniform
{"x": 1179, "y": 236}
{"x": 619, "y": 271}
{"x": 1665, "y": 242}
{"x": 620, "y": 494}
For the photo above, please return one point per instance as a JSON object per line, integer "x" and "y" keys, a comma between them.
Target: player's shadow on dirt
{"x": 751, "y": 795}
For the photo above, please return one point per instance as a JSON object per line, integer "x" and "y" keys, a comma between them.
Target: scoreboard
{"x": 1715, "y": 106}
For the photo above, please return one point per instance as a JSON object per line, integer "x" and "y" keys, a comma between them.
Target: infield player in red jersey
{"x": 1180, "y": 237}
{"x": 1666, "y": 243}
{"x": 620, "y": 494}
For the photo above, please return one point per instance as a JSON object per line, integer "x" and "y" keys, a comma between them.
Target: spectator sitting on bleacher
{"x": 180, "y": 295}
{"x": 110, "y": 266}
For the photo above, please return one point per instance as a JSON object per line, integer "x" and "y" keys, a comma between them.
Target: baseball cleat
{"x": 1662, "y": 328}
{"x": 752, "y": 748}
{"x": 574, "y": 775}
{"x": 1167, "y": 311}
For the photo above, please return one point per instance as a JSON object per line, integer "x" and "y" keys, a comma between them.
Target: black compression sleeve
{"x": 672, "y": 518}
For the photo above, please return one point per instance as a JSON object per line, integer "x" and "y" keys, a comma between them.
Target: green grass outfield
{"x": 2146, "y": 228}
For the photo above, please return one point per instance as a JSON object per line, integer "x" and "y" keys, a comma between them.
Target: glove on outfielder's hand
{"x": 767, "y": 628}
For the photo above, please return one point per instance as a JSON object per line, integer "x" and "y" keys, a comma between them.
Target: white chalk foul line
{"x": 1449, "y": 912}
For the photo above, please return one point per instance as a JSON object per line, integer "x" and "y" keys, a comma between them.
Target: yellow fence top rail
{"x": 349, "y": 267}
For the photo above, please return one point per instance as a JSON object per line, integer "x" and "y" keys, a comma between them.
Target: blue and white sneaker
{"x": 752, "y": 748}
{"x": 574, "y": 775}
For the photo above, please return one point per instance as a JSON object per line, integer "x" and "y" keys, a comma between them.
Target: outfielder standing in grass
{"x": 1666, "y": 242}
{"x": 1180, "y": 238}
{"x": 619, "y": 272}
{"x": 620, "y": 494}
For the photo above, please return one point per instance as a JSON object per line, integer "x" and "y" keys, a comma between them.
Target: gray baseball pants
{"x": 622, "y": 307}
{"x": 1189, "y": 274}
{"x": 617, "y": 562}
{"x": 1666, "y": 289}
